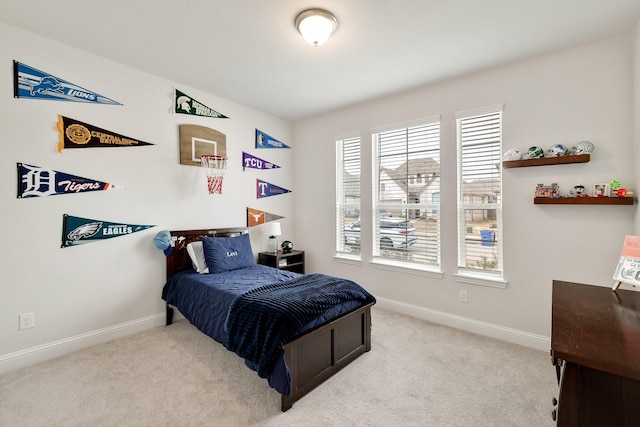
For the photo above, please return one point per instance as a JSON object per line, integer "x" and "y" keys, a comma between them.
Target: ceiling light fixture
{"x": 316, "y": 25}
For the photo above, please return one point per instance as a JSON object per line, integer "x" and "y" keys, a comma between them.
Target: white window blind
{"x": 480, "y": 191}
{"x": 406, "y": 193}
{"x": 348, "y": 203}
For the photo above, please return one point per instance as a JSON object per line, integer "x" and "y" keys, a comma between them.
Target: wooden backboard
{"x": 197, "y": 141}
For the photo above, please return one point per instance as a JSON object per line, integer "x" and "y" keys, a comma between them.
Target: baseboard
{"x": 538, "y": 342}
{"x": 41, "y": 353}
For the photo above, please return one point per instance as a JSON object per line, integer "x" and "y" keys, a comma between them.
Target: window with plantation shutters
{"x": 348, "y": 196}
{"x": 479, "y": 139}
{"x": 406, "y": 194}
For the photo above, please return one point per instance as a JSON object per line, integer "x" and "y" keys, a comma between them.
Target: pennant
{"x": 264, "y": 189}
{"x": 34, "y": 181}
{"x": 184, "y": 104}
{"x": 29, "y": 82}
{"x": 76, "y": 231}
{"x": 253, "y": 162}
{"x": 257, "y": 217}
{"x": 265, "y": 141}
{"x": 76, "y": 134}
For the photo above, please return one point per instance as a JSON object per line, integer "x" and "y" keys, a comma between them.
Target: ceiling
{"x": 249, "y": 52}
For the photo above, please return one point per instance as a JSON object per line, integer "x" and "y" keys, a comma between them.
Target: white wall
{"x": 580, "y": 94}
{"x": 636, "y": 115}
{"x": 81, "y": 295}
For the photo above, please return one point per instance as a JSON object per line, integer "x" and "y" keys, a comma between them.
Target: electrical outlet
{"x": 26, "y": 321}
{"x": 463, "y": 296}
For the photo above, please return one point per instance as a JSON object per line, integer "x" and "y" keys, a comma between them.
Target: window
{"x": 479, "y": 135}
{"x": 406, "y": 194}
{"x": 348, "y": 196}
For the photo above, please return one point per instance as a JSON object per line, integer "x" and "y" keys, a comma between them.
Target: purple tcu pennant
{"x": 253, "y": 162}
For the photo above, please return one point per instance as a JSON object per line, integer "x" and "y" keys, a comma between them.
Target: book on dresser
{"x": 628, "y": 268}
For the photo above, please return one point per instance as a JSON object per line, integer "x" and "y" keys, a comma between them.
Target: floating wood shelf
{"x": 579, "y": 158}
{"x": 583, "y": 201}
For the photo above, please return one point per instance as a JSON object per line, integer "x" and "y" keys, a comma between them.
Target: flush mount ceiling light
{"x": 316, "y": 25}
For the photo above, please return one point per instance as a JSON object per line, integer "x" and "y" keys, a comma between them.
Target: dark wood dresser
{"x": 595, "y": 345}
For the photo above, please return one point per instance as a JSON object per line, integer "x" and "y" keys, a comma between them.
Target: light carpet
{"x": 417, "y": 374}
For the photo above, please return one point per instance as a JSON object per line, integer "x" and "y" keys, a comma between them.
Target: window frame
{"x": 342, "y": 205}
{"x": 486, "y": 277}
{"x": 392, "y": 261}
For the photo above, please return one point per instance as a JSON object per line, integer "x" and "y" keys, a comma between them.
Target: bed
{"x": 226, "y": 304}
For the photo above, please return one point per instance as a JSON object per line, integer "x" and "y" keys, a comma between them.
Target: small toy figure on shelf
{"x": 579, "y": 190}
{"x": 615, "y": 186}
{"x": 617, "y": 190}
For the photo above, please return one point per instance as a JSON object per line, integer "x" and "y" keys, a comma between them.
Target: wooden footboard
{"x": 319, "y": 354}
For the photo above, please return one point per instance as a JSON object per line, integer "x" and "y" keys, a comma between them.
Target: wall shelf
{"x": 583, "y": 201}
{"x": 579, "y": 158}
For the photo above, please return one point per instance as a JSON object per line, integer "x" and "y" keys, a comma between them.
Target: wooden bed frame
{"x": 313, "y": 357}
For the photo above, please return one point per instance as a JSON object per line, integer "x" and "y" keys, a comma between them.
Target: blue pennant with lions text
{"x": 29, "y": 82}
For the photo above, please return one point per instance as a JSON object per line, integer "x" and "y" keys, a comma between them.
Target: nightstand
{"x": 293, "y": 261}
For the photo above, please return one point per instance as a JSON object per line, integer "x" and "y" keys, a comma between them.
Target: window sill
{"x": 402, "y": 267}
{"x": 481, "y": 280}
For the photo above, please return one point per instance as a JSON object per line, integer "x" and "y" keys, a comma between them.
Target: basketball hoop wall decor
{"x": 197, "y": 141}
{"x": 214, "y": 168}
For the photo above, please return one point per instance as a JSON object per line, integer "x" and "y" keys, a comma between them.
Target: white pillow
{"x": 196, "y": 253}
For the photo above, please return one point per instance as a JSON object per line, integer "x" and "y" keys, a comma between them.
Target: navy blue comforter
{"x": 205, "y": 300}
{"x": 262, "y": 320}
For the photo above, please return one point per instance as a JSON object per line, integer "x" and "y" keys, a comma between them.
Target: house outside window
{"x": 348, "y": 204}
{"x": 406, "y": 212}
{"x": 480, "y": 248}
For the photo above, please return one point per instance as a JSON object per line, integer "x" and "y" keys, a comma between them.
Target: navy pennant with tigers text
{"x": 35, "y": 181}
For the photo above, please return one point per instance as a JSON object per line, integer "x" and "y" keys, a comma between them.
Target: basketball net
{"x": 214, "y": 167}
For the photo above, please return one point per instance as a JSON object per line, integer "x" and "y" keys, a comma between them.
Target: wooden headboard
{"x": 179, "y": 260}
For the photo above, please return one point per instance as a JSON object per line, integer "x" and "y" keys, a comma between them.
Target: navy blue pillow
{"x": 227, "y": 253}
